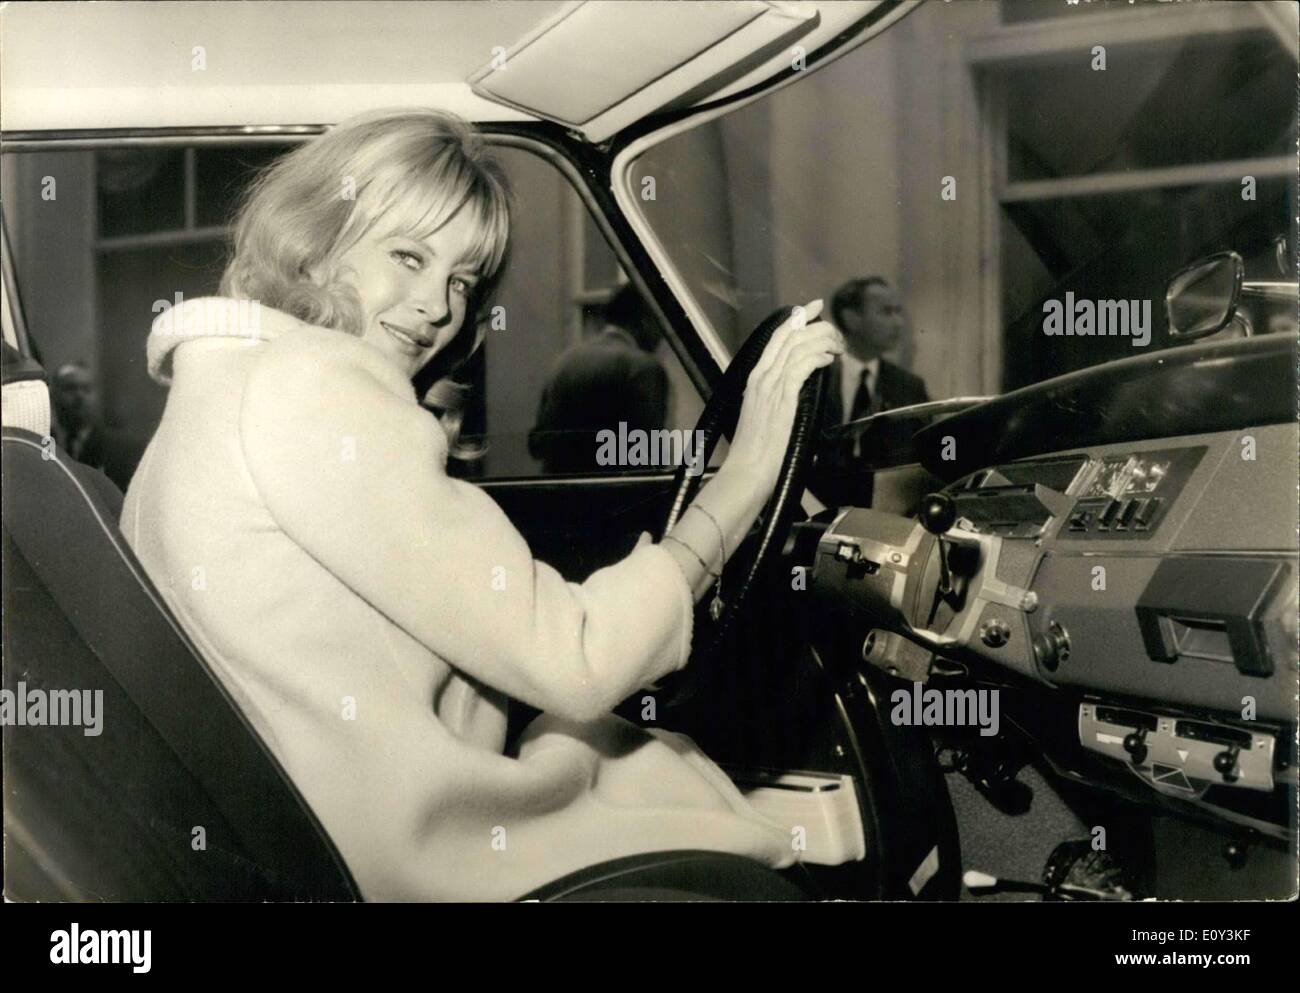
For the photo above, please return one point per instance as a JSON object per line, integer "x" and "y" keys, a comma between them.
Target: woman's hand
{"x": 727, "y": 506}
{"x": 799, "y": 346}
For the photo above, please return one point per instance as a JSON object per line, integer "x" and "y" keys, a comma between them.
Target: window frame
{"x": 15, "y": 324}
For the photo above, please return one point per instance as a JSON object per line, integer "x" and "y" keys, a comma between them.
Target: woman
{"x": 369, "y": 614}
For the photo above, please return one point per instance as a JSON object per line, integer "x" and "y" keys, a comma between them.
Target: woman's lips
{"x": 410, "y": 342}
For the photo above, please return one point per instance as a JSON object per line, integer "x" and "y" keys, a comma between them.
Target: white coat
{"x": 369, "y": 615}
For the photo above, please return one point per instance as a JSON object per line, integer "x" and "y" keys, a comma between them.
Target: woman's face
{"x": 413, "y": 293}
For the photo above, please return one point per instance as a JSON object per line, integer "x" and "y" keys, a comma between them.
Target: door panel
{"x": 579, "y": 525}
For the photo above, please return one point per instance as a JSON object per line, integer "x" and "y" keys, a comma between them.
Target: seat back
{"x": 176, "y": 797}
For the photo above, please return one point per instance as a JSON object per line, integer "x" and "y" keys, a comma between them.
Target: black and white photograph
{"x": 645, "y": 452}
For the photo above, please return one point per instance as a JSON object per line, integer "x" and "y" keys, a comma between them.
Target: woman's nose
{"x": 433, "y": 307}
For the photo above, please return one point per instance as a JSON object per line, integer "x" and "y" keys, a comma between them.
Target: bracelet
{"x": 717, "y": 605}
{"x": 722, "y": 544}
{"x": 703, "y": 564}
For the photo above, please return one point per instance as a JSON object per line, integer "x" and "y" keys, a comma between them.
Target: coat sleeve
{"x": 355, "y": 475}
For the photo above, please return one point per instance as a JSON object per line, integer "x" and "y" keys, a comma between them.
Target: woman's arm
{"x": 353, "y": 473}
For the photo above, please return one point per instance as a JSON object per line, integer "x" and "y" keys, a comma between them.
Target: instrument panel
{"x": 1156, "y": 581}
{"x": 1124, "y": 496}
{"x": 1162, "y": 570}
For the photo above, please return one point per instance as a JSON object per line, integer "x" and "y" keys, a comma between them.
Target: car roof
{"x": 597, "y": 66}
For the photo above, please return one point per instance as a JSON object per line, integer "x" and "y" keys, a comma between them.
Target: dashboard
{"x": 1152, "y": 583}
{"x": 1163, "y": 570}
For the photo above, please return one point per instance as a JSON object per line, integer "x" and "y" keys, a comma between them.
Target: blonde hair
{"x": 411, "y": 171}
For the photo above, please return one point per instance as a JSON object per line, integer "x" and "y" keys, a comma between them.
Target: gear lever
{"x": 938, "y": 513}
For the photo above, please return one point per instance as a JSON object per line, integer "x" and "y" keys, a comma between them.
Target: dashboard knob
{"x": 938, "y": 513}
{"x": 1136, "y": 745}
{"x": 1225, "y": 764}
{"x": 1051, "y": 647}
{"x": 995, "y": 632}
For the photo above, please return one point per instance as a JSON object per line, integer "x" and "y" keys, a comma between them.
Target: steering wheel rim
{"x": 719, "y": 418}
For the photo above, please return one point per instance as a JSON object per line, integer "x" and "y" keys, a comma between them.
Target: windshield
{"x": 989, "y": 195}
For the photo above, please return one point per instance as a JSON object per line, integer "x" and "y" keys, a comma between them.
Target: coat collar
{"x": 212, "y": 317}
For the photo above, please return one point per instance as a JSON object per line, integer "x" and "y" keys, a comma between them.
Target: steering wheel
{"x": 719, "y": 418}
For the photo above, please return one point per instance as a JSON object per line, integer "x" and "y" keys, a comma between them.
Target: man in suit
{"x": 18, "y": 372}
{"x": 74, "y": 398}
{"x": 870, "y": 314}
{"x": 608, "y": 378}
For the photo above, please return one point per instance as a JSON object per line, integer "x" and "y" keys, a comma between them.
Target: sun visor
{"x": 598, "y": 66}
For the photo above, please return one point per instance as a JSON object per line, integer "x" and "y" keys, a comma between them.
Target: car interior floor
{"x": 986, "y": 832}
{"x": 1189, "y": 860}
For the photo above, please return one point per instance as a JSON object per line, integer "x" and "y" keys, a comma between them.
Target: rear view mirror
{"x": 1202, "y": 299}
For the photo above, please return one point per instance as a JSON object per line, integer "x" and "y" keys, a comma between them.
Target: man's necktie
{"x": 864, "y": 403}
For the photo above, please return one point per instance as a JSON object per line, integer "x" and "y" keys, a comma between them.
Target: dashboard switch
{"x": 1079, "y": 520}
{"x": 1146, "y": 513}
{"x": 1126, "y": 514}
{"x": 1107, "y": 516}
{"x": 848, "y": 552}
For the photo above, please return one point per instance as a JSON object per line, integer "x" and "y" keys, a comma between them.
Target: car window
{"x": 573, "y": 359}
{"x": 978, "y": 165}
{"x": 104, "y": 239}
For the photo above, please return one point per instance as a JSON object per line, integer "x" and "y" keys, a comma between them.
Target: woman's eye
{"x": 408, "y": 259}
{"x": 462, "y": 285}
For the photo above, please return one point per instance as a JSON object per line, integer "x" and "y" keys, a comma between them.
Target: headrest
{"x": 24, "y": 396}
